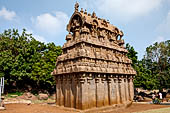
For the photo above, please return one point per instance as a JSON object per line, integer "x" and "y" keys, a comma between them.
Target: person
{"x": 160, "y": 96}
{"x": 153, "y": 97}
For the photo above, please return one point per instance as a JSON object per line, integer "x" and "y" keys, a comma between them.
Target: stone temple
{"x": 93, "y": 70}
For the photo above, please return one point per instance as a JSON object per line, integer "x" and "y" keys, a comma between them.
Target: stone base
{"x": 103, "y": 109}
{"x": 88, "y": 90}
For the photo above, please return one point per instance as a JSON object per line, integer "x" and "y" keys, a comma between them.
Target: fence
{"x": 1, "y": 87}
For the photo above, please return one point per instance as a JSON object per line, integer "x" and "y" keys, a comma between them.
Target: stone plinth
{"x": 86, "y": 90}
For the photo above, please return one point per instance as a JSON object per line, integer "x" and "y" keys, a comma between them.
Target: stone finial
{"x": 81, "y": 10}
{"x": 76, "y": 7}
{"x": 121, "y": 34}
{"x": 108, "y": 22}
{"x": 68, "y": 37}
{"x": 93, "y": 15}
{"x": 85, "y": 12}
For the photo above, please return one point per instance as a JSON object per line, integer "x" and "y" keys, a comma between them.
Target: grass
{"x": 17, "y": 93}
{"x": 162, "y": 110}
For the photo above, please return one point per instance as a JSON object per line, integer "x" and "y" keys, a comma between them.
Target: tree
{"x": 143, "y": 77}
{"x": 158, "y": 61}
{"x": 132, "y": 54}
{"x": 25, "y": 61}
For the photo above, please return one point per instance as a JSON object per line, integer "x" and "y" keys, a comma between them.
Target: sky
{"x": 142, "y": 21}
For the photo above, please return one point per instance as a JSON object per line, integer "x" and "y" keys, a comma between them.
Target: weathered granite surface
{"x": 93, "y": 70}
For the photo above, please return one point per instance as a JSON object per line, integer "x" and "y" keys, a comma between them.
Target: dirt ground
{"x": 44, "y": 108}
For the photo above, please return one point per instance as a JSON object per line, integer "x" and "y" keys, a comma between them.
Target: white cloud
{"x": 40, "y": 38}
{"x": 159, "y": 39}
{"x": 6, "y": 14}
{"x": 51, "y": 24}
{"x": 37, "y": 37}
{"x": 164, "y": 27}
{"x": 124, "y": 9}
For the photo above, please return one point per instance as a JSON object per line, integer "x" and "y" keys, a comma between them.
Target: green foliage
{"x": 157, "y": 59}
{"x": 132, "y": 54}
{"x": 25, "y": 61}
{"x": 144, "y": 78}
{"x": 17, "y": 93}
{"x": 153, "y": 71}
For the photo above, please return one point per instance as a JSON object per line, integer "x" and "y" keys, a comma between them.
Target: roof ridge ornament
{"x": 85, "y": 12}
{"x": 93, "y": 15}
{"x": 76, "y": 6}
{"x": 81, "y": 10}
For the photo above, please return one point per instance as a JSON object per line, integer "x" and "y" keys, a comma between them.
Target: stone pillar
{"x": 70, "y": 94}
{"x": 105, "y": 91}
{"x": 77, "y": 91}
{"x": 73, "y": 92}
{"x": 99, "y": 92}
{"x": 91, "y": 91}
{"x": 61, "y": 96}
{"x": 112, "y": 91}
{"x": 127, "y": 89}
{"x": 65, "y": 87}
{"x": 64, "y": 90}
{"x": 84, "y": 92}
{"x": 68, "y": 91}
{"x": 109, "y": 82}
{"x": 122, "y": 88}
{"x": 57, "y": 89}
{"x": 124, "y": 79}
{"x": 118, "y": 93}
{"x": 131, "y": 88}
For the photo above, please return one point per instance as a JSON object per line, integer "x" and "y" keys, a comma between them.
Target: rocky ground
{"x": 43, "y": 103}
{"x": 29, "y": 98}
{"x": 46, "y": 108}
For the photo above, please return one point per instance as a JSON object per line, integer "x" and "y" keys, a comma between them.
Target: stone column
{"x": 84, "y": 92}
{"x": 112, "y": 91}
{"x": 109, "y": 82}
{"x": 57, "y": 89}
{"x": 72, "y": 92}
{"x": 64, "y": 90}
{"x": 65, "y": 83}
{"x": 127, "y": 89}
{"x": 99, "y": 92}
{"x": 118, "y": 93}
{"x": 91, "y": 91}
{"x": 68, "y": 92}
{"x": 77, "y": 91}
{"x": 125, "y": 93}
{"x": 105, "y": 91}
{"x": 131, "y": 88}
{"x": 122, "y": 85}
{"x": 61, "y": 96}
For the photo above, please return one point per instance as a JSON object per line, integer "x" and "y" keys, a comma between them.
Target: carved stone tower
{"x": 93, "y": 70}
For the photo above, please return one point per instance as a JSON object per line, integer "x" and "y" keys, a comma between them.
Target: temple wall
{"x": 93, "y": 90}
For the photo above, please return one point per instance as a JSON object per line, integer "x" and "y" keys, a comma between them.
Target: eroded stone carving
{"x": 93, "y": 70}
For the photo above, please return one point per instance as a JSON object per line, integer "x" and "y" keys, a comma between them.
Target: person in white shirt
{"x": 160, "y": 96}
